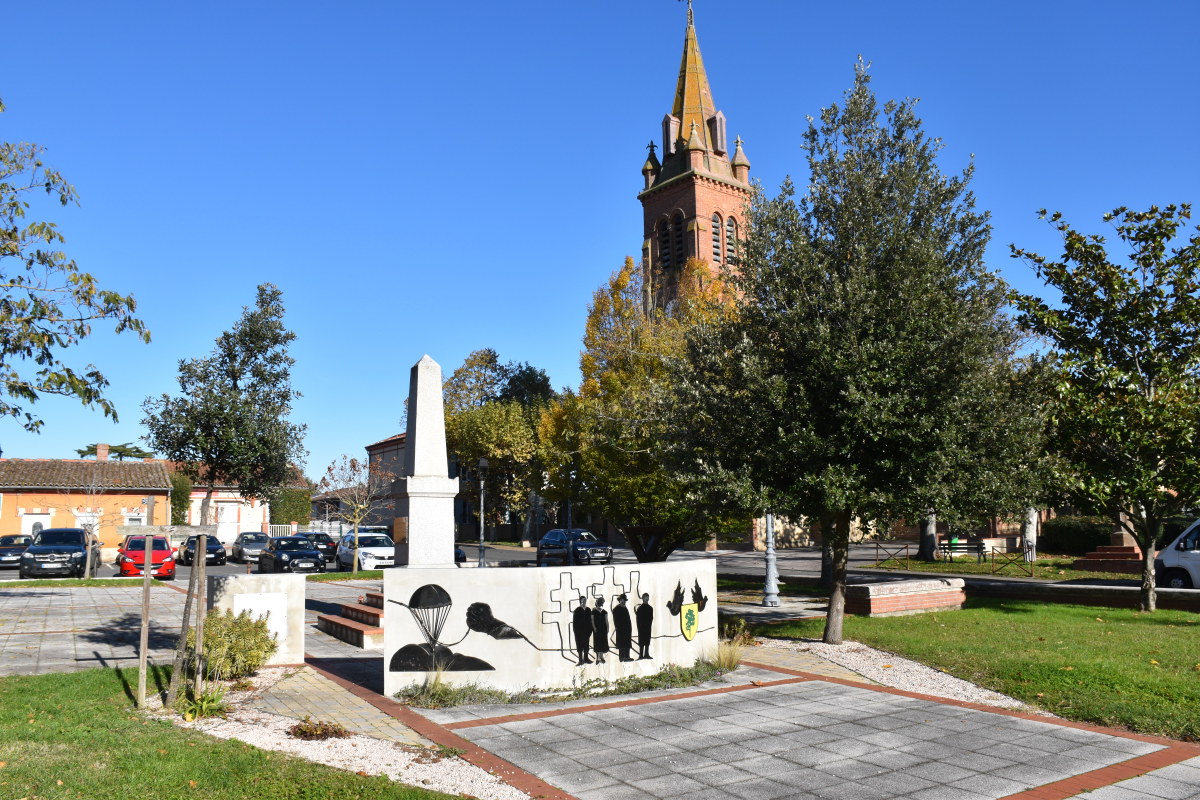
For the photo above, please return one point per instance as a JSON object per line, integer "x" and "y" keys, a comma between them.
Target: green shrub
{"x": 311, "y": 729}
{"x": 1074, "y": 536}
{"x": 234, "y": 647}
{"x": 197, "y": 705}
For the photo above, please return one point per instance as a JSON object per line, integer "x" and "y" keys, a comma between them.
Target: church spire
{"x": 693, "y": 98}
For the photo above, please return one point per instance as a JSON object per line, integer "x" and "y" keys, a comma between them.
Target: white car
{"x": 375, "y": 551}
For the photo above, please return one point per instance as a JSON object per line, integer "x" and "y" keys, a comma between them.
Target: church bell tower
{"x": 693, "y": 201}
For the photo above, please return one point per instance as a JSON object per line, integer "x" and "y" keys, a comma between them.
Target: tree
{"x": 181, "y": 497}
{"x": 1125, "y": 342}
{"x": 117, "y": 451}
{"x": 867, "y": 371}
{"x": 291, "y": 504}
{"x": 229, "y": 425}
{"x": 359, "y": 490}
{"x": 48, "y": 305}
{"x": 492, "y": 412}
{"x": 607, "y": 446}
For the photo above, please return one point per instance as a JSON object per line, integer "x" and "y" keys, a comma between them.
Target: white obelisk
{"x": 427, "y": 491}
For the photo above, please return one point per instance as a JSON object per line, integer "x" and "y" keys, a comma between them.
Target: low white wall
{"x": 513, "y": 629}
{"x": 279, "y": 597}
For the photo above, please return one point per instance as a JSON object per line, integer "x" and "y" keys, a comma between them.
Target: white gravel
{"x": 416, "y": 766}
{"x": 897, "y": 672}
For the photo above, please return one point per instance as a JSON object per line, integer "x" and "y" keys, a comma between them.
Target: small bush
{"x": 1074, "y": 536}
{"x": 727, "y": 657}
{"x": 735, "y": 630}
{"x": 234, "y": 647}
{"x": 311, "y": 729}
{"x": 197, "y": 705}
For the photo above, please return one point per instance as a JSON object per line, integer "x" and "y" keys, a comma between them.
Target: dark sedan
{"x": 11, "y": 548}
{"x": 323, "y": 542}
{"x": 574, "y": 547}
{"x": 214, "y": 551}
{"x": 291, "y": 554}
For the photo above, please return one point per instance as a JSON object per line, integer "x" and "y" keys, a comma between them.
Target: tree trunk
{"x": 180, "y": 663}
{"x": 927, "y": 550}
{"x": 1029, "y": 533}
{"x": 827, "y": 534}
{"x": 1148, "y": 600}
{"x": 837, "y": 596}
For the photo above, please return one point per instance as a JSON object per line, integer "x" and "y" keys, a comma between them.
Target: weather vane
{"x": 689, "y": 2}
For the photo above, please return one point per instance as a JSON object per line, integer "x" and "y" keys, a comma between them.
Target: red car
{"x": 132, "y": 556}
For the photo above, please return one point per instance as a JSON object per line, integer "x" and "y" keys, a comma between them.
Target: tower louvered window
{"x": 730, "y": 238}
{"x": 664, "y": 244}
{"x": 716, "y": 238}
{"x": 677, "y": 248}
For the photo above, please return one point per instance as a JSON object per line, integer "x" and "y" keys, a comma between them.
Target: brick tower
{"x": 693, "y": 202}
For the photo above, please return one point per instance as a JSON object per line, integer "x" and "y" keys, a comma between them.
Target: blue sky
{"x": 439, "y": 177}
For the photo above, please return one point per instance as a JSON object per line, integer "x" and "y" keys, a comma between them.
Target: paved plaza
{"x": 789, "y": 725}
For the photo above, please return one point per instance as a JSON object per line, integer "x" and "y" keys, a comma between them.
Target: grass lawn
{"x": 1050, "y": 568}
{"x": 74, "y": 583}
{"x": 361, "y": 575}
{"x": 1108, "y": 666}
{"x": 76, "y": 736}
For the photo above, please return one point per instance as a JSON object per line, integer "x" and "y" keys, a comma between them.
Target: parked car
{"x": 323, "y": 542}
{"x": 576, "y": 546}
{"x": 290, "y": 554}
{"x": 375, "y": 551}
{"x": 11, "y": 548}
{"x": 59, "y": 551}
{"x": 1178, "y": 564}
{"x": 247, "y": 546}
{"x": 131, "y": 558}
{"x": 214, "y": 551}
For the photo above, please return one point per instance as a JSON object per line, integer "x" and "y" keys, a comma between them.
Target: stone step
{"x": 367, "y": 615}
{"x": 350, "y": 631}
{"x": 1118, "y": 550}
{"x": 374, "y": 599}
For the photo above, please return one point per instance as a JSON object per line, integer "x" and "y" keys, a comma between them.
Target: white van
{"x": 1178, "y": 564}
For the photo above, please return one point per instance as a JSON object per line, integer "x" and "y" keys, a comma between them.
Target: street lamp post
{"x": 771, "y": 587}
{"x": 482, "y": 468}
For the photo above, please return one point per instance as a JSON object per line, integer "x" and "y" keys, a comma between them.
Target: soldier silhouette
{"x": 600, "y": 630}
{"x": 623, "y": 627}
{"x": 645, "y": 620}
{"x": 581, "y": 620}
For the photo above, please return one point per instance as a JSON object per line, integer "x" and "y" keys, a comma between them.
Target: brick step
{"x": 1124, "y": 565}
{"x": 1115, "y": 556}
{"x": 350, "y": 631}
{"x": 1118, "y": 550}
{"x": 367, "y": 615}
{"x": 374, "y": 599}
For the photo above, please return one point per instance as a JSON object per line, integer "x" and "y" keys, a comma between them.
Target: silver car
{"x": 248, "y": 546}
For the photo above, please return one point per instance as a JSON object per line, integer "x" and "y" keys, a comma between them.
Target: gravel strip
{"x": 898, "y": 672}
{"x": 415, "y": 766}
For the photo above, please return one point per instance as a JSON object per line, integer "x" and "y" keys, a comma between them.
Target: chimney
{"x": 102, "y": 452}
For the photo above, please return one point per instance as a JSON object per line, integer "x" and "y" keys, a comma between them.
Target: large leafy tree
{"x": 868, "y": 370}
{"x": 47, "y": 304}
{"x": 229, "y": 424}
{"x": 608, "y": 445}
{"x": 492, "y": 412}
{"x": 1125, "y": 341}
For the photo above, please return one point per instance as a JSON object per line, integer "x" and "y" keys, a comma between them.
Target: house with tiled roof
{"x": 99, "y": 495}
